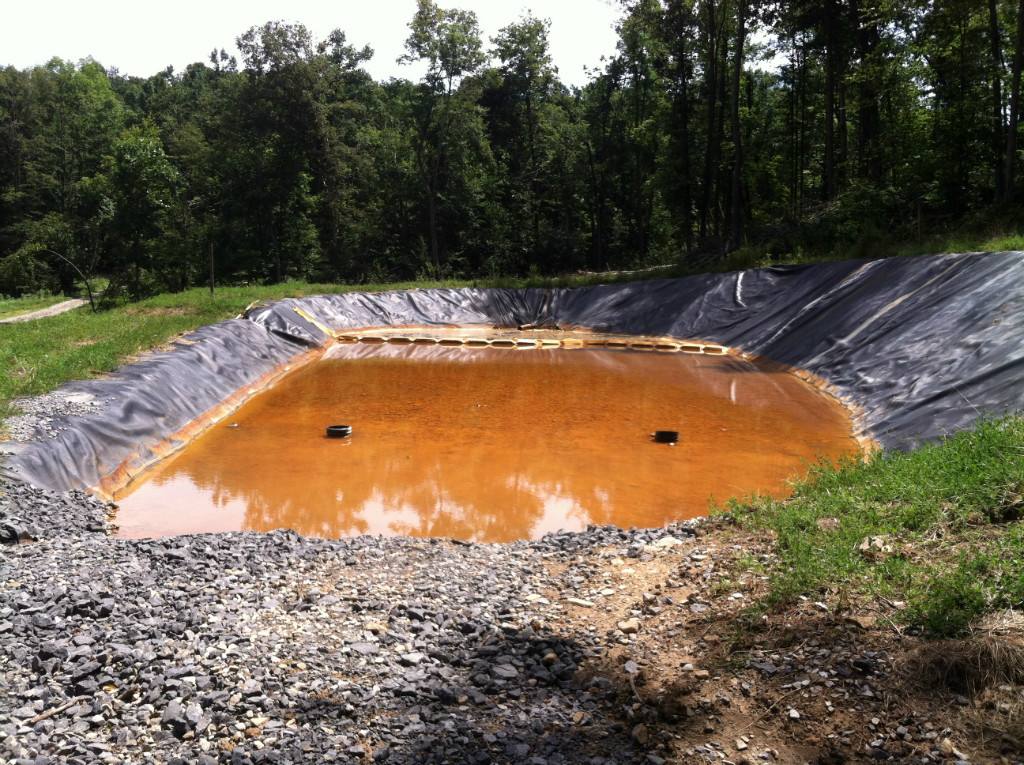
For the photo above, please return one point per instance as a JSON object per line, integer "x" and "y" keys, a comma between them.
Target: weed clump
{"x": 991, "y": 656}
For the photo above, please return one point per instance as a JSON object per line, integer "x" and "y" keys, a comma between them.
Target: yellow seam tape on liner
{"x": 315, "y": 323}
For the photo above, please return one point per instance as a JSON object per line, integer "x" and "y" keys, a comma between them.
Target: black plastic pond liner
{"x": 920, "y": 346}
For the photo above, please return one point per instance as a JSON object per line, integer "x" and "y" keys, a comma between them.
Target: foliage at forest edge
{"x": 808, "y": 128}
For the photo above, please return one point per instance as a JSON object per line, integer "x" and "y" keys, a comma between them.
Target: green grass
{"x": 993, "y": 231}
{"x": 990, "y": 241}
{"x": 41, "y": 355}
{"x": 946, "y": 514}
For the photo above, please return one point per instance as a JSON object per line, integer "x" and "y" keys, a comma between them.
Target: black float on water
{"x": 339, "y": 431}
{"x": 666, "y": 436}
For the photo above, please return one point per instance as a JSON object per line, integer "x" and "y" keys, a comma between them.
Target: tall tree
{"x": 950, "y": 38}
{"x": 520, "y": 115}
{"x": 680, "y": 29}
{"x": 15, "y": 116}
{"x": 140, "y": 184}
{"x": 340, "y": 93}
{"x": 449, "y": 130}
{"x": 279, "y": 127}
{"x": 75, "y": 117}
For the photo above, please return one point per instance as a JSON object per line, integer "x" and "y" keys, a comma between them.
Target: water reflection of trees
{"x": 501, "y": 445}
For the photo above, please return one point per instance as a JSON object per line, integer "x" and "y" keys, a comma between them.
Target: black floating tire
{"x": 666, "y": 436}
{"x": 339, "y": 431}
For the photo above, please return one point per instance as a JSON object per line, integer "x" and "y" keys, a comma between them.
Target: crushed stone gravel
{"x": 251, "y": 648}
{"x": 38, "y": 414}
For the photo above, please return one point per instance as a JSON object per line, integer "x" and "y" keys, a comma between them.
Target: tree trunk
{"x": 869, "y": 160}
{"x": 435, "y": 250}
{"x": 736, "y": 193}
{"x": 794, "y": 93}
{"x": 1011, "y": 128}
{"x": 996, "y": 50}
{"x": 712, "y": 107}
{"x": 842, "y": 132}
{"x": 831, "y": 56}
{"x": 801, "y": 133}
{"x": 683, "y": 121}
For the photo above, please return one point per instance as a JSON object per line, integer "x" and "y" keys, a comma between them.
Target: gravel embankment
{"x": 247, "y": 648}
{"x": 39, "y": 416}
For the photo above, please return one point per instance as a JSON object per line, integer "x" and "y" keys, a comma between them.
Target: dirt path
{"x": 42, "y": 313}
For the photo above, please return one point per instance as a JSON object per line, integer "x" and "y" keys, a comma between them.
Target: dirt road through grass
{"x": 42, "y": 313}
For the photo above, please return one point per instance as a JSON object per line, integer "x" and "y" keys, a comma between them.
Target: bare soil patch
{"x": 169, "y": 311}
{"x": 704, "y": 677}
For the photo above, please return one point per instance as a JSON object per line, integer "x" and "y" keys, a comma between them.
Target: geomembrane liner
{"x": 919, "y": 347}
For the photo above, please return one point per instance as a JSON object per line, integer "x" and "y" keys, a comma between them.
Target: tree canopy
{"x": 789, "y": 125}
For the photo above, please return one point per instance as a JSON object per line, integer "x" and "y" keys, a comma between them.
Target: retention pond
{"x": 491, "y": 445}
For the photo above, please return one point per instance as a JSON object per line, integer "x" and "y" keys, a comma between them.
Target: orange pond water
{"x": 489, "y": 445}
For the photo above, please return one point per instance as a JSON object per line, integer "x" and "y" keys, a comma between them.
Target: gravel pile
{"x": 39, "y": 414}
{"x": 248, "y": 648}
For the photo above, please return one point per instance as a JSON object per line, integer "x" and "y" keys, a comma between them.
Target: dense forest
{"x": 791, "y": 126}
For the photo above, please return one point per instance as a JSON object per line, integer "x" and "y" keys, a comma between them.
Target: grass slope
{"x": 40, "y": 356}
{"x": 936, "y": 528}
